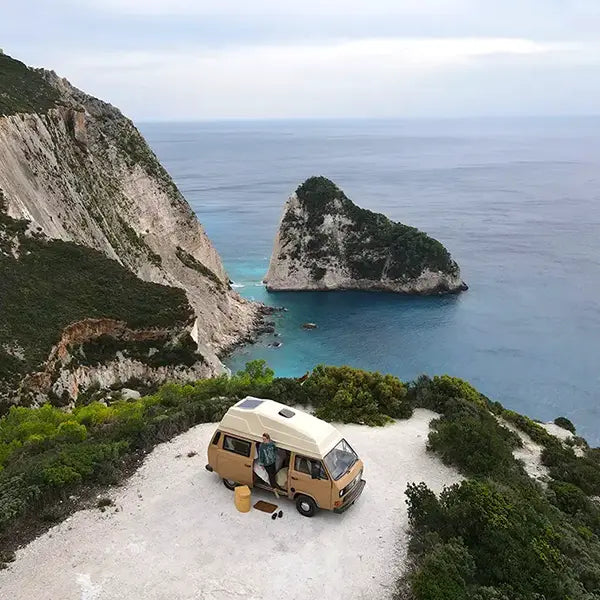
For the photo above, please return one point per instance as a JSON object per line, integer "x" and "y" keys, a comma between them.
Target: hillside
{"x": 79, "y": 171}
{"x": 472, "y": 524}
{"x": 73, "y": 319}
{"x": 326, "y": 242}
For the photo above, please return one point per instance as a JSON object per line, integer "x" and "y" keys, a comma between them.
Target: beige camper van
{"x": 316, "y": 467}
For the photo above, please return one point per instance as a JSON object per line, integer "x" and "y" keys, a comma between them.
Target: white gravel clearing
{"x": 178, "y": 536}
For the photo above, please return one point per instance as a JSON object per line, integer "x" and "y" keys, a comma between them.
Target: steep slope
{"x": 79, "y": 171}
{"x": 73, "y": 320}
{"x": 326, "y": 242}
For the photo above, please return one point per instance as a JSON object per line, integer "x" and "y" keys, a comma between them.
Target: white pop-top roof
{"x": 299, "y": 431}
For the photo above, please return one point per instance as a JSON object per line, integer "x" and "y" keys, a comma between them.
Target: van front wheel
{"x": 229, "y": 484}
{"x": 306, "y": 506}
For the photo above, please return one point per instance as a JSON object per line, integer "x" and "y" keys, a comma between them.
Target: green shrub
{"x": 523, "y": 542}
{"x": 424, "y": 509}
{"x": 61, "y": 475}
{"x": 565, "y": 424}
{"x": 348, "y": 395}
{"x": 444, "y": 573}
{"x": 568, "y": 497}
{"x": 436, "y": 393}
{"x": 71, "y": 431}
{"x": 470, "y": 438}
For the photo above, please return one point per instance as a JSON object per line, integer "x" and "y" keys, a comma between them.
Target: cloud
{"x": 369, "y": 77}
{"x": 274, "y": 7}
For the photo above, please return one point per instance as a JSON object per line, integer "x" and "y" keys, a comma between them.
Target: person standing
{"x": 267, "y": 457}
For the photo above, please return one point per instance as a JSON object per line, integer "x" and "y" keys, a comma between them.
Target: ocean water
{"x": 516, "y": 201}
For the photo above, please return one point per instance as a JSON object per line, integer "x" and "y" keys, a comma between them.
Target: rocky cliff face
{"x": 326, "y": 242}
{"x": 73, "y": 168}
{"x": 79, "y": 171}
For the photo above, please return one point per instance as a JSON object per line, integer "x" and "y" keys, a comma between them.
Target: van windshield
{"x": 340, "y": 460}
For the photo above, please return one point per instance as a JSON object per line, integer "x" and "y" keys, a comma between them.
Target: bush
{"x": 568, "y": 497}
{"x": 348, "y": 395}
{"x": 45, "y": 452}
{"x": 470, "y": 438}
{"x": 565, "y": 424}
{"x": 522, "y": 542}
{"x": 71, "y": 431}
{"x": 444, "y": 573}
{"x": 435, "y": 394}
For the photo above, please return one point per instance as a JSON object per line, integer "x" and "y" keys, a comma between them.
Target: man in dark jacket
{"x": 267, "y": 457}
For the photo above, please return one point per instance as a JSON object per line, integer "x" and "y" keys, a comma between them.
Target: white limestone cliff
{"x": 81, "y": 172}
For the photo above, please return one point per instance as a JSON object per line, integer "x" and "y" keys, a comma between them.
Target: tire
{"x": 230, "y": 484}
{"x": 306, "y": 506}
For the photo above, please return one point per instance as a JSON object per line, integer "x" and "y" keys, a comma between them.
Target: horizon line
{"x": 398, "y": 118}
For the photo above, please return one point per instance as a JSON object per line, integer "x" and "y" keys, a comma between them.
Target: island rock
{"x": 326, "y": 242}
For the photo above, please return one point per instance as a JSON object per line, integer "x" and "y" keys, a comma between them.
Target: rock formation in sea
{"x": 326, "y": 242}
{"x": 74, "y": 169}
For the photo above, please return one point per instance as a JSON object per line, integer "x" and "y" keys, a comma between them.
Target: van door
{"x": 234, "y": 459}
{"x": 308, "y": 476}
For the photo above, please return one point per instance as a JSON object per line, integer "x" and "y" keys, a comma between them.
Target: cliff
{"x": 326, "y": 242}
{"x": 73, "y": 320}
{"x": 73, "y": 168}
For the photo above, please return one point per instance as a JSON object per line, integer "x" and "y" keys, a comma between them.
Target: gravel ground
{"x": 174, "y": 532}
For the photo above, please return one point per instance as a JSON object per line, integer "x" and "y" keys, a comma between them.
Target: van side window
{"x": 236, "y": 445}
{"x": 308, "y": 466}
{"x": 216, "y": 438}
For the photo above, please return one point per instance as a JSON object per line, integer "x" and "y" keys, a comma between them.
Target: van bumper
{"x": 352, "y": 497}
{"x": 209, "y": 468}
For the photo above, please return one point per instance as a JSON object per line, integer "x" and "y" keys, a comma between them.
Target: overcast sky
{"x": 197, "y": 59}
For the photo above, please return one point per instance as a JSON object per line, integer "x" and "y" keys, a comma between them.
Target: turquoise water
{"x": 517, "y": 202}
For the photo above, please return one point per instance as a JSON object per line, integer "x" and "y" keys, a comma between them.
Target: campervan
{"x": 316, "y": 467}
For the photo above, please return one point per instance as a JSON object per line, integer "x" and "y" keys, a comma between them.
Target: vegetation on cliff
{"x": 49, "y": 284}
{"x": 46, "y": 453}
{"x": 373, "y": 245}
{"x": 499, "y": 535}
{"x": 24, "y": 90}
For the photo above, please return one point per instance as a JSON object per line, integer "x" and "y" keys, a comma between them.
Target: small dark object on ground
{"x": 191, "y": 453}
{"x": 178, "y": 456}
{"x": 265, "y": 506}
{"x": 3, "y": 566}
{"x": 7, "y": 556}
{"x": 274, "y": 516}
{"x": 104, "y": 502}
{"x": 280, "y": 514}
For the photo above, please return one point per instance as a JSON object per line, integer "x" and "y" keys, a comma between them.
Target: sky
{"x": 238, "y": 59}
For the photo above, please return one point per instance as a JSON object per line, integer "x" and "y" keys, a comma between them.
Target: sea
{"x": 515, "y": 200}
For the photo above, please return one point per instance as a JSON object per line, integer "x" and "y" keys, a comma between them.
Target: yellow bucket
{"x": 242, "y": 498}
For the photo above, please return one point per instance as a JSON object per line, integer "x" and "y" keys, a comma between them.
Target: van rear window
{"x": 236, "y": 445}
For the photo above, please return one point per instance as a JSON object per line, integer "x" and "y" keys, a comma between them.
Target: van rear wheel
{"x": 230, "y": 484}
{"x": 306, "y": 506}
